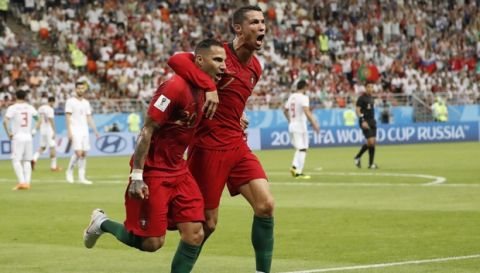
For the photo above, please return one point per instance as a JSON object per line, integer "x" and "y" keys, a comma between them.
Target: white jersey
{"x": 80, "y": 109}
{"x": 21, "y": 116}
{"x": 298, "y": 120}
{"x": 46, "y": 113}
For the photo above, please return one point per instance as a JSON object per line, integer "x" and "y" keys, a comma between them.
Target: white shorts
{"x": 299, "y": 140}
{"x": 46, "y": 140}
{"x": 81, "y": 143}
{"x": 22, "y": 150}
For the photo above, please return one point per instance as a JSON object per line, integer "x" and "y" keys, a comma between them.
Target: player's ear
{"x": 237, "y": 28}
{"x": 199, "y": 59}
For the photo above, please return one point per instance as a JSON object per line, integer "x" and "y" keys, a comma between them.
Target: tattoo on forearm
{"x": 142, "y": 147}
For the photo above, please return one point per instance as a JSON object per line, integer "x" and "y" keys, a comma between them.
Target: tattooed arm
{"x": 138, "y": 189}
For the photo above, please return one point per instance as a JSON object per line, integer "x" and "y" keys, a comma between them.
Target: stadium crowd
{"x": 417, "y": 47}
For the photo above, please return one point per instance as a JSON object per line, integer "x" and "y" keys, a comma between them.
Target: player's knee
{"x": 210, "y": 226}
{"x": 195, "y": 237}
{"x": 265, "y": 208}
{"x": 303, "y": 150}
{"x": 152, "y": 244}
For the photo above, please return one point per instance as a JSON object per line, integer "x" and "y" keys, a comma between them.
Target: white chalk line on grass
{"x": 369, "y": 266}
{"x": 312, "y": 183}
{"x": 435, "y": 180}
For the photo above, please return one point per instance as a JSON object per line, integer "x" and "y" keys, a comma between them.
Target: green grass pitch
{"x": 343, "y": 217}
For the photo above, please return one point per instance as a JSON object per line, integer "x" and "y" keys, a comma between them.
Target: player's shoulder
{"x": 174, "y": 84}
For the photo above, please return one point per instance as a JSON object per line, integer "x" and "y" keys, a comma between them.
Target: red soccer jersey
{"x": 177, "y": 108}
{"x": 223, "y": 131}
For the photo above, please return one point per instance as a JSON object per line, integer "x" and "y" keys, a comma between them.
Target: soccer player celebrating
{"x": 219, "y": 154}
{"x": 46, "y": 123}
{"x": 162, "y": 192}
{"x": 78, "y": 115}
{"x": 297, "y": 110}
{"x": 21, "y": 114}
{"x": 366, "y": 117}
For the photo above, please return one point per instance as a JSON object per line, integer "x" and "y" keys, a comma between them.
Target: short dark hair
{"x": 51, "y": 99}
{"x": 20, "y": 95}
{"x": 239, "y": 15}
{"x": 77, "y": 83}
{"x": 207, "y": 44}
{"x": 301, "y": 84}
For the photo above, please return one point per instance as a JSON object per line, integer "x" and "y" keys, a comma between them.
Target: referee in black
{"x": 366, "y": 117}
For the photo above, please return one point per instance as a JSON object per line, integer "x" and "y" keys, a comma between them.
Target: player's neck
{"x": 243, "y": 54}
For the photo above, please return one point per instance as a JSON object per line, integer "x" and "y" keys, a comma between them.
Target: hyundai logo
{"x": 111, "y": 144}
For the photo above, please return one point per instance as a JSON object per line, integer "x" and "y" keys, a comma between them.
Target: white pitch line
{"x": 290, "y": 183}
{"x": 368, "y": 266}
{"x": 435, "y": 179}
{"x": 380, "y": 184}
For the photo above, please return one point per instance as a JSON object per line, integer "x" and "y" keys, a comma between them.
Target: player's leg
{"x": 363, "y": 149}
{"x": 41, "y": 149}
{"x": 53, "y": 159}
{"x": 100, "y": 223}
{"x": 293, "y": 169}
{"x": 77, "y": 147}
{"x": 187, "y": 213}
{"x": 371, "y": 152}
{"x": 257, "y": 193}
{"x": 53, "y": 154}
{"x": 82, "y": 161}
{"x": 249, "y": 179}
{"x": 145, "y": 225}
{"x": 210, "y": 169}
{"x": 27, "y": 165}
{"x": 301, "y": 142}
{"x": 188, "y": 248}
{"x": 17, "y": 153}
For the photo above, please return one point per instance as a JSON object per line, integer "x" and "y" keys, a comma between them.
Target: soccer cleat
{"x": 85, "y": 182}
{"x": 56, "y": 169}
{"x": 302, "y": 176}
{"x": 32, "y": 163}
{"x": 93, "y": 230}
{"x": 69, "y": 176}
{"x": 373, "y": 166}
{"x": 358, "y": 163}
{"x": 21, "y": 186}
{"x": 293, "y": 171}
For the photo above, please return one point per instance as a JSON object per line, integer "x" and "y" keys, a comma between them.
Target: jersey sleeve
{"x": 50, "y": 113}
{"x": 89, "y": 108}
{"x": 33, "y": 111}
{"x": 287, "y": 104}
{"x": 68, "y": 107}
{"x": 10, "y": 112}
{"x": 360, "y": 102}
{"x": 163, "y": 102}
{"x": 184, "y": 66}
{"x": 305, "y": 101}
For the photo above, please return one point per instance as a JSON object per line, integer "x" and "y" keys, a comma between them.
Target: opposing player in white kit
{"x": 22, "y": 116}
{"x": 297, "y": 111}
{"x": 46, "y": 123}
{"x": 78, "y": 115}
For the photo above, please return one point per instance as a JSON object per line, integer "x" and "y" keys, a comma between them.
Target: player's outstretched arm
{"x": 138, "y": 189}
